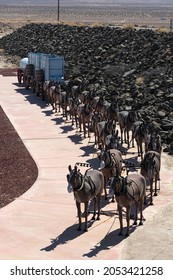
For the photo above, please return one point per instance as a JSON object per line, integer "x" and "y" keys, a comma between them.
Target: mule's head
{"x": 118, "y": 184}
{"x": 74, "y": 179}
{"x": 155, "y": 143}
{"x": 104, "y": 157}
{"x": 149, "y": 164}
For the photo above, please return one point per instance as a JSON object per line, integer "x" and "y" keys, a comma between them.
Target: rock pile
{"x": 134, "y": 65}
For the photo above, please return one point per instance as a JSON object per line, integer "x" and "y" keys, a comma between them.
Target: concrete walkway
{"x": 41, "y": 224}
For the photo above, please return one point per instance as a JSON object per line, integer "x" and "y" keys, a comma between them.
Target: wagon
{"x": 47, "y": 67}
{"x": 28, "y": 75}
{"x": 40, "y": 67}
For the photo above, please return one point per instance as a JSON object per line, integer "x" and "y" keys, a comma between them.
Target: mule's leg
{"x": 125, "y": 138}
{"x": 120, "y": 219}
{"x": 113, "y": 198}
{"x": 105, "y": 190}
{"x": 138, "y": 147}
{"x": 121, "y": 130}
{"x": 55, "y": 102}
{"x": 128, "y": 210}
{"x": 155, "y": 183}
{"x": 65, "y": 111}
{"x": 84, "y": 127}
{"x": 76, "y": 119}
{"x": 128, "y": 141}
{"x": 86, "y": 216}
{"x": 145, "y": 199}
{"x": 136, "y": 213}
{"x": 95, "y": 138}
{"x": 94, "y": 202}
{"x": 47, "y": 97}
{"x": 133, "y": 140}
{"x": 52, "y": 102}
{"x": 88, "y": 129}
{"x": 59, "y": 101}
{"x": 141, "y": 150}
{"x": 151, "y": 191}
{"x": 80, "y": 124}
{"x": 78, "y": 205}
{"x": 98, "y": 205}
{"x": 141, "y": 203}
{"x": 72, "y": 119}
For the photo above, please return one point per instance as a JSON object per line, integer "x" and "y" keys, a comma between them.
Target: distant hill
{"x": 88, "y": 2}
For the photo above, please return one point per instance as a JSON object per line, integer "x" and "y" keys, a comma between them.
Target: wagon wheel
{"x": 33, "y": 85}
{"x": 24, "y": 79}
{"x": 19, "y": 75}
{"x": 26, "y": 82}
{"x": 36, "y": 88}
{"x": 41, "y": 91}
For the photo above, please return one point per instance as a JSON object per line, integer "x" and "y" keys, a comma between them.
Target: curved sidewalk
{"x": 41, "y": 224}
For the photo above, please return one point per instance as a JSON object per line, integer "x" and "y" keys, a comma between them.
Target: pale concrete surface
{"x": 42, "y": 223}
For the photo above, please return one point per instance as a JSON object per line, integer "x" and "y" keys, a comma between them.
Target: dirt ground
{"x": 18, "y": 170}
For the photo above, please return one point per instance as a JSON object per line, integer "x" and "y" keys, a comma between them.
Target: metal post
{"x": 58, "y": 11}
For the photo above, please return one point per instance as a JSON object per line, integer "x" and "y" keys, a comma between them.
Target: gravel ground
{"x": 18, "y": 170}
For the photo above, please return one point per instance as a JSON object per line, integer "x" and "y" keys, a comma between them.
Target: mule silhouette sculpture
{"x": 153, "y": 143}
{"x": 129, "y": 190}
{"x": 140, "y": 134}
{"x": 110, "y": 164}
{"x": 85, "y": 188}
{"x": 150, "y": 169}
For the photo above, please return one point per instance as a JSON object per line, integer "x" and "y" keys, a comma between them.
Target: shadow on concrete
{"x": 66, "y": 128}
{"x": 31, "y": 97}
{"x": 88, "y": 150}
{"x": 76, "y": 138}
{"x": 67, "y": 235}
{"x": 110, "y": 240}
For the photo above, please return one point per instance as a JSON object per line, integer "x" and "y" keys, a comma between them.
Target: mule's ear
{"x": 69, "y": 168}
{"x": 75, "y": 168}
{"x": 68, "y": 176}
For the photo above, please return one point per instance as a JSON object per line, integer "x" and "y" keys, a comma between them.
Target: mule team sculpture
{"x": 127, "y": 190}
{"x": 93, "y": 113}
